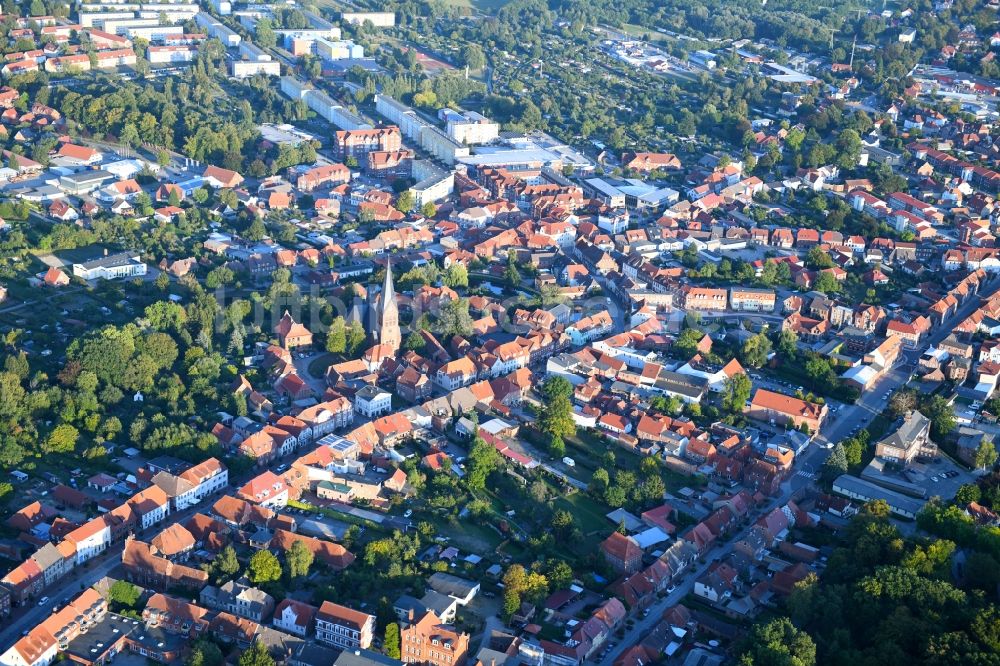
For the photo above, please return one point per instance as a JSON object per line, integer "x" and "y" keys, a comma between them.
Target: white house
{"x": 90, "y": 539}
{"x": 205, "y": 478}
{"x": 371, "y": 401}
{"x": 151, "y": 505}
{"x": 294, "y": 617}
{"x": 268, "y": 490}
{"x": 113, "y": 267}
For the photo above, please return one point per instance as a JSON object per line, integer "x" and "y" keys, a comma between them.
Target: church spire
{"x": 386, "y": 314}
{"x": 388, "y": 292}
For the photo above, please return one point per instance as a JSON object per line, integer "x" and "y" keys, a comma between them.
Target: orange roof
{"x": 76, "y": 152}
{"x": 786, "y": 404}
{"x": 342, "y": 615}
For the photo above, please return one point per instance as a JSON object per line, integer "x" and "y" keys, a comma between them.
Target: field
{"x": 484, "y": 6}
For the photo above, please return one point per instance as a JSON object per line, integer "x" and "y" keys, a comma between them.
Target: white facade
{"x": 288, "y": 621}
{"x": 156, "y": 515}
{"x": 122, "y": 265}
{"x": 93, "y": 545}
{"x": 159, "y": 55}
{"x": 377, "y": 19}
{"x": 13, "y": 657}
{"x": 372, "y": 404}
{"x": 242, "y": 69}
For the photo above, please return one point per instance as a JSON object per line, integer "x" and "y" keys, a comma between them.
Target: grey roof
{"x": 119, "y": 259}
{"x": 913, "y": 426}
{"x": 313, "y": 654}
{"x": 173, "y": 486}
{"x": 88, "y": 176}
{"x": 437, "y": 602}
{"x": 853, "y": 486}
{"x": 369, "y": 392}
{"x": 364, "y": 658}
{"x": 686, "y": 385}
{"x": 47, "y": 556}
{"x": 453, "y": 586}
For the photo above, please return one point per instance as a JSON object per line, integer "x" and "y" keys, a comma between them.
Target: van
{"x": 569, "y": 462}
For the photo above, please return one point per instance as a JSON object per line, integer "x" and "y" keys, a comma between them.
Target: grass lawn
{"x": 318, "y": 366}
{"x": 469, "y": 536}
{"x": 486, "y": 6}
{"x": 641, "y": 32}
{"x": 587, "y": 447}
{"x": 587, "y": 511}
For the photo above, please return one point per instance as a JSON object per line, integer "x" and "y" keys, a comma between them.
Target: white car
{"x": 407, "y": 513}
{"x": 43, "y": 601}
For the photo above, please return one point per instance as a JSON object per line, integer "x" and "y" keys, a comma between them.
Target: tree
{"x": 848, "y": 149}
{"x": 826, "y": 283}
{"x": 967, "y": 493}
{"x": 902, "y": 403}
{"x": 562, "y": 523}
{"x": 256, "y": 654}
{"x": 456, "y": 276}
{"x": 942, "y": 416}
{"x": 986, "y": 454}
{"x": 204, "y": 653}
{"x": 454, "y": 318}
{"x": 264, "y": 34}
{"x": 473, "y": 57}
{"x": 686, "y": 344}
{"x": 836, "y": 463}
{"x": 226, "y": 563}
{"x": 778, "y": 643}
{"x": 414, "y": 342}
{"x": 392, "y": 641}
{"x": 755, "y": 351}
{"x": 429, "y": 209}
{"x": 510, "y": 274}
{"x": 599, "y": 481}
{"x": 336, "y": 336}
{"x": 37, "y": 8}
{"x": 123, "y": 594}
{"x": 818, "y": 258}
{"x": 62, "y": 439}
{"x": 511, "y": 603}
{"x": 264, "y": 568}
{"x": 355, "y": 338}
{"x": 405, "y": 201}
{"x": 736, "y": 392}
{"x": 299, "y": 558}
{"x": 556, "y": 418}
{"x": 788, "y": 344}
{"x": 483, "y": 460}
{"x": 854, "y": 448}
{"x": 256, "y": 231}
{"x": 819, "y": 372}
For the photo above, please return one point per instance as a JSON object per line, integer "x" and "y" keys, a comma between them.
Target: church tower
{"x": 386, "y": 328}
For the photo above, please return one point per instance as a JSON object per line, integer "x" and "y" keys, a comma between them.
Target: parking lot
{"x": 941, "y": 479}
